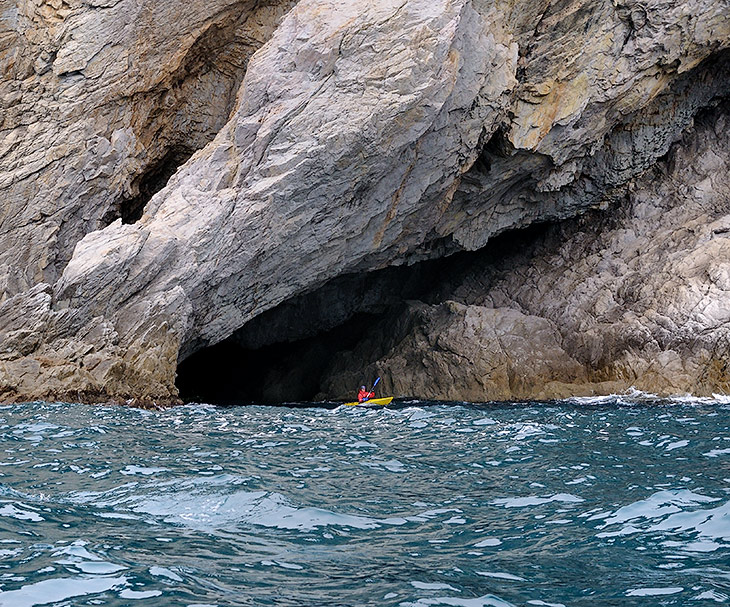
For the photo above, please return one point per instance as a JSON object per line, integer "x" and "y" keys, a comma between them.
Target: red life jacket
{"x": 363, "y": 395}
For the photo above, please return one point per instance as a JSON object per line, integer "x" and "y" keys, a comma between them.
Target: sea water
{"x": 585, "y": 502}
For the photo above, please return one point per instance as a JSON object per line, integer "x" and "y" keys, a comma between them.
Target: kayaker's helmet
{"x": 362, "y": 388}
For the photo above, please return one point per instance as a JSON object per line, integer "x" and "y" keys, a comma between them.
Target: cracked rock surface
{"x": 635, "y": 296}
{"x": 358, "y": 135}
{"x": 93, "y": 95}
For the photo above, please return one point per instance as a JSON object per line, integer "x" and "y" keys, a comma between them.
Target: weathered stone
{"x": 363, "y": 135}
{"x": 94, "y": 97}
{"x": 638, "y": 296}
{"x": 456, "y": 352}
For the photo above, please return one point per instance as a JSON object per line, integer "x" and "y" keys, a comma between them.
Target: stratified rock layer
{"x": 637, "y": 296}
{"x": 363, "y": 135}
{"x": 100, "y": 98}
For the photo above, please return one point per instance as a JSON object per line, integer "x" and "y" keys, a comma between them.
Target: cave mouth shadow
{"x": 282, "y": 373}
{"x": 295, "y": 366}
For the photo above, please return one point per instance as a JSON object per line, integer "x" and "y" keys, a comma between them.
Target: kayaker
{"x": 364, "y": 395}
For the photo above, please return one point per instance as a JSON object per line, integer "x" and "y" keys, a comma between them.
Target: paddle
{"x": 373, "y": 388}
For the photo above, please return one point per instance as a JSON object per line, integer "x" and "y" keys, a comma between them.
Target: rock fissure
{"x": 549, "y": 112}
{"x": 149, "y": 183}
{"x": 105, "y": 95}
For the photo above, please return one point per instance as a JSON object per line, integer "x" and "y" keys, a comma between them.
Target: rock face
{"x": 634, "y": 297}
{"x": 360, "y": 135}
{"x": 101, "y": 99}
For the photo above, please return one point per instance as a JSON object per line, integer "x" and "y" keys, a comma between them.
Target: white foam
{"x": 165, "y": 572}
{"x": 527, "y": 430}
{"x": 713, "y": 523}
{"x": 711, "y": 595}
{"x": 139, "y": 594}
{"x": 97, "y": 568}
{"x": 11, "y": 511}
{"x": 629, "y": 395}
{"x": 654, "y": 591}
{"x": 282, "y": 564}
{"x": 490, "y": 541}
{"x": 218, "y": 510}
{"x": 658, "y": 505}
{"x": 435, "y": 512}
{"x": 116, "y": 515}
{"x": 8, "y": 553}
{"x": 634, "y": 395}
{"x": 488, "y": 600}
{"x": 144, "y": 471}
{"x": 521, "y": 502}
{"x": 717, "y": 452}
{"x": 77, "y": 549}
{"x": 433, "y": 586}
{"x": 58, "y": 589}
{"x": 501, "y": 576}
{"x": 416, "y": 413}
{"x": 17, "y": 462}
{"x": 394, "y": 465}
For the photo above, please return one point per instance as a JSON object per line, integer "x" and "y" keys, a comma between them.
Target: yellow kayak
{"x": 372, "y": 401}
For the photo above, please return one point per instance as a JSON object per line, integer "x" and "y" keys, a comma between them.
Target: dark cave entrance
{"x": 229, "y": 373}
{"x": 287, "y": 354}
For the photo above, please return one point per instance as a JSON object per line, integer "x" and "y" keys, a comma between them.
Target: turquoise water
{"x": 589, "y": 502}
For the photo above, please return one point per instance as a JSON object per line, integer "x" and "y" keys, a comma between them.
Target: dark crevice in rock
{"x": 185, "y": 110}
{"x": 229, "y": 374}
{"x": 342, "y": 298}
{"x": 706, "y": 116}
{"x": 497, "y": 147}
{"x": 152, "y": 181}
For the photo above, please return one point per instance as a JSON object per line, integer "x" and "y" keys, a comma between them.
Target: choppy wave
{"x": 634, "y": 397}
{"x": 421, "y": 504}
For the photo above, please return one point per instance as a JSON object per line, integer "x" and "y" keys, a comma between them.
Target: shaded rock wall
{"x": 516, "y": 188}
{"x": 633, "y": 296}
{"x": 363, "y": 135}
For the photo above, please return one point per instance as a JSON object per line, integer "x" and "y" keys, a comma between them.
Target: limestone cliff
{"x": 323, "y": 141}
{"x": 638, "y": 296}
